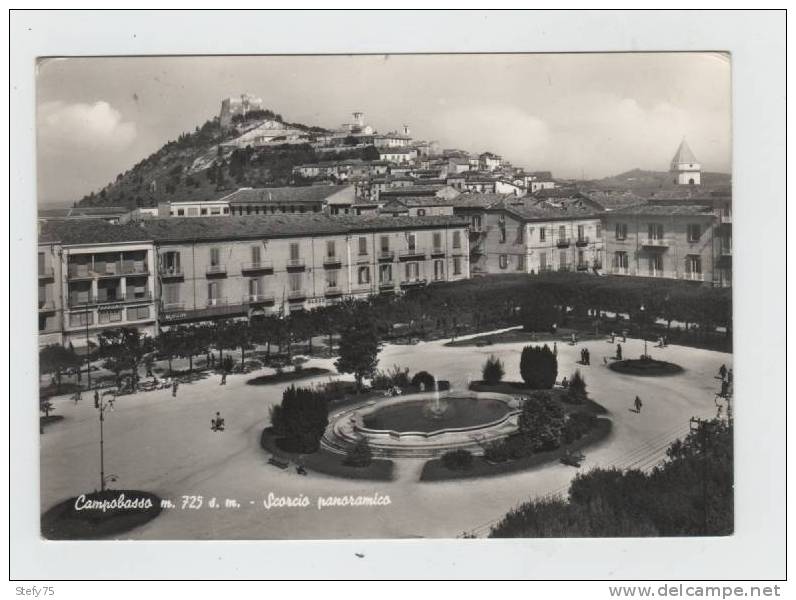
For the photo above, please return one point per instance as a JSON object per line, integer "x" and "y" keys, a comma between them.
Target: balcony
{"x": 332, "y": 262}
{"x": 176, "y": 312}
{"x": 167, "y": 273}
{"x": 297, "y": 295}
{"x": 725, "y": 219}
{"x": 264, "y": 267}
{"x": 46, "y": 273}
{"x": 46, "y": 306}
{"x": 172, "y": 306}
{"x": 655, "y": 243}
{"x": 411, "y": 283}
{"x": 562, "y": 242}
{"x": 74, "y": 302}
{"x": 582, "y": 241}
{"x": 105, "y": 270}
{"x": 412, "y": 254}
{"x": 260, "y": 299}
{"x": 693, "y": 276}
{"x": 386, "y": 285}
{"x": 386, "y": 256}
{"x": 295, "y": 264}
{"x": 333, "y": 292}
{"x": 437, "y": 253}
{"x": 216, "y": 271}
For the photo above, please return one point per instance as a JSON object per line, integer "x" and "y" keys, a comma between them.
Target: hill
{"x": 211, "y": 162}
{"x": 641, "y": 181}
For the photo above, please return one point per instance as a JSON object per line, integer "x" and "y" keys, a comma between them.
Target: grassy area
{"x": 327, "y": 462}
{"x": 518, "y": 387}
{"x": 64, "y": 522}
{"x": 562, "y": 336}
{"x": 434, "y": 470}
{"x": 287, "y": 376}
{"x": 645, "y": 368}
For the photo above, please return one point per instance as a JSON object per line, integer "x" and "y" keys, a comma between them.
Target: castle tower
{"x": 685, "y": 168}
{"x": 358, "y": 119}
{"x": 406, "y": 130}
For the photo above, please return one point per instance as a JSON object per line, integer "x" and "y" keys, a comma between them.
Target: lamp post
{"x": 643, "y": 332}
{"x": 102, "y": 405}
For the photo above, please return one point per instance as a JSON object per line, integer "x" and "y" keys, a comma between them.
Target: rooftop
{"x": 205, "y": 229}
{"x": 684, "y": 155}
{"x": 312, "y": 193}
{"x": 670, "y": 210}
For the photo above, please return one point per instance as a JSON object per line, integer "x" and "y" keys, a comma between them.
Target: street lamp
{"x": 641, "y": 308}
{"x": 102, "y": 405}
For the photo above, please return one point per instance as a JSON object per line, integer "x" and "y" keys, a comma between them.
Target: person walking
{"x": 96, "y": 399}
{"x": 555, "y": 348}
{"x": 723, "y": 372}
{"x": 619, "y": 352}
{"x": 587, "y": 354}
{"x": 637, "y": 404}
{"x": 613, "y": 337}
{"x": 223, "y": 378}
{"x": 174, "y": 388}
{"x": 624, "y": 335}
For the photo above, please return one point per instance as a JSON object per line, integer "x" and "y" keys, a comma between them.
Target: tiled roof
{"x": 82, "y": 211}
{"x": 419, "y": 201}
{"x": 684, "y": 155}
{"x": 672, "y": 210}
{"x": 477, "y": 200}
{"x": 311, "y": 193}
{"x": 545, "y": 212}
{"x": 174, "y": 229}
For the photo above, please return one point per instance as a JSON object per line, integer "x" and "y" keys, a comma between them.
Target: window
{"x": 620, "y": 260}
{"x": 180, "y": 212}
{"x": 621, "y": 231}
{"x": 294, "y": 251}
{"x": 421, "y": 212}
{"x": 412, "y": 271}
{"x": 439, "y": 270}
{"x": 41, "y": 263}
{"x": 215, "y": 211}
{"x": 411, "y": 241}
{"x": 110, "y": 316}
{"x": 331, "y": 279}
{"x": 543, "y": 260}
{"x": 226, "y": 210}
{"x": 562, "y": 232}
{"x": 502, "y": 230}
{"x": 255, "y": 255}
{"x": 331, "y": 250}
{"x": 520, "y": 234}
{"x": 475, "y": 222}
{"x": 503, "y": 261}
{"x": 654, "y": 231}
{"x": 137, "y": 313}
{"x": 212, "y": 292}
{"x": 254, "y": 287}
{"x": 363, "y": 275}
{"x": 581, "y": 232}
{"x": 437, "y": 237}
{"x": 457, "y": 239}
{"x": 385, "y": 244}
{"x": 203, "y": 211}
{"x": 542, "y": 234}
{"x": 81, "y": 319}
{"x": 521, "y": 262}
{"x": 193, "y": 211}
{"x": 363, "y": 246}
{"x": 171, "y": 263}
{"x": 598, "y": 228}
{"x": 294, "y": 281}
{"x": 385, "y": 273}
{"x": 215, "y": 257}
{"x": 42, "y": 322}
{"x": 655, "y": 264}
{"x": 694, "y": 232}
{"x": 693, "y": 266}
{"x": 562, "y": 259}
{"x": 457, "y": 265}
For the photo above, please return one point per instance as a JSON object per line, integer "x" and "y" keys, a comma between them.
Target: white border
{"x": 756, "y": 41}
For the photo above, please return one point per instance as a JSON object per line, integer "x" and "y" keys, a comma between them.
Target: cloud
{"x": 83, "y": 128}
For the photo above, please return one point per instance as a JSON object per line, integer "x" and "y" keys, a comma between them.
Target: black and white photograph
{"x": 387, "y": 296}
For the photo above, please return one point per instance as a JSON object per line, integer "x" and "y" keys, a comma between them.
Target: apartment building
{"x": 290, "y": 200}
{"x": 675, "y": 241}
{"x": 94, "y": 275}
{"x": 266, "y": 265}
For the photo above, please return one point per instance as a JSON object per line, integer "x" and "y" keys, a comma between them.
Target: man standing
{"x": 637, "y": 404}
{"x": 619, "y": 352}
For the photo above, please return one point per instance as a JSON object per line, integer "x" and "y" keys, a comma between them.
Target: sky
{"x": 577, "y": 115}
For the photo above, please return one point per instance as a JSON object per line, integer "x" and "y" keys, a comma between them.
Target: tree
{"x": 169, "y": 344}
{"x": 425, "y": 378}
{"x": 359, "y": 349}
{"x": 56, "y": 359}
{"x": 542, "y": 421}
{"x": 576, "y": 390}
{"x": 300, "y": 419}
{"x": 492, "y": 371}
{"x": 538, "y": 367}
{"x": 124, "y": 349}
{"x": 45, "y": 406}
{"x": 539, "y": 313}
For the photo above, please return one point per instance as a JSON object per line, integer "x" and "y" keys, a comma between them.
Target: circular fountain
{"x": 425, "y": 424}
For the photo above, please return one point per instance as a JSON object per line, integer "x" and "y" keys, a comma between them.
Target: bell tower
{"x": 685, "y": 169}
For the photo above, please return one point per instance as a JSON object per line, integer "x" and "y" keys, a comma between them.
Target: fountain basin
{"x": 404, "y": 426}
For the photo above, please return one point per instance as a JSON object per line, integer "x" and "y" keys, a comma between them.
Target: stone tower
{"x": 685, "y": 169}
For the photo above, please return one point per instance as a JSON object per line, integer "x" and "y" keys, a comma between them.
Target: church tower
{"x": 685, "y": 169}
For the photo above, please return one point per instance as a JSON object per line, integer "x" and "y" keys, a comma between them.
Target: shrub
{"x": 458, "y": 460}
{"x": 538, "y": 367}
{"x": 542, "y": 422}
{"x": 359, "y": 455}
{"x": 394, "y": 377}
{"x": 492, "y": 372}
{"x": 425, "y": 378}
{"x": 576, "y": 426}
{"x": 576, "y": 390}
{"x": 443, "y": 385}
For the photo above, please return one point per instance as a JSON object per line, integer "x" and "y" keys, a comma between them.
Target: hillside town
{"x": 417, "y": 216}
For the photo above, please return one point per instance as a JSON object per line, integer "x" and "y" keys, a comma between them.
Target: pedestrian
{"x": 613, "y": 337}
{"x": 588, "y": 356}
{"x": 574, "y": 338}
{"x": 224, "y": 378}
{"x": 564, "y": 383}
{"x": 637, "y": 404}
{"x": 174, "y": 389}
{"x": 619, "y": 352}
{"x": 624, "y": 335}
{"x": 77, "y": 397}
{"x": 217, "y": 424}
{"x": 583, "y": 356}
{"x": 605, "y": 360}
{"x": 555, "y": 348}
{"x": 723, "y": 372}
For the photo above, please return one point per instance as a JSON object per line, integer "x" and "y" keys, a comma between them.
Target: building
{"x": 289, "y": 200}
{"x": 505, "y": 186}
{"x": 685, "y": 168}
{"x": 161, "y": 272}
{"x": 489, "y": 161}
{"x": 238, "y": 106}
{"x": 416, "y": 206}
{"x": 398, "y": 155}
{"x": 674, "y": 241}
{"x": 111, "y": 214}
{"x": 94, "y": 275}
{"x": 195, "y": 208}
